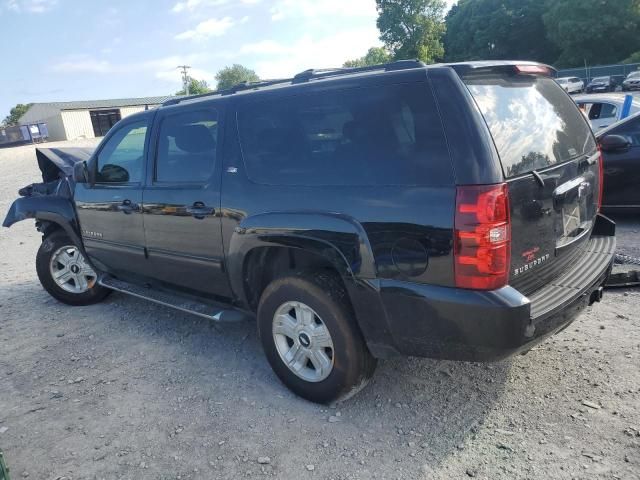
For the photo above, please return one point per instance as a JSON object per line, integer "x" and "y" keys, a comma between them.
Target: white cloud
{"x": 82, "y": 64}
{"x": 193, "y": 5}
{"x": 213, "y": 27}
{"x": 316, "y": 8}
{"x": 268, "y": 47}
{"x": 279, "y": 60}
{"x": 164, "y": 68}
{"x": 30, "y": 6}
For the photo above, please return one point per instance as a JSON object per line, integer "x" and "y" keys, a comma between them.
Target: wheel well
{"x": 265, "y": 264}
{"x": 47, "y": 227}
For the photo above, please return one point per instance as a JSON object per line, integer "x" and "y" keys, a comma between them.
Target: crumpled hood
{"x": 55, "y": 161}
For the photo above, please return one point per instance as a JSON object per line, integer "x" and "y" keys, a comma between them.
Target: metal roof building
{"x": 85, "y": 119}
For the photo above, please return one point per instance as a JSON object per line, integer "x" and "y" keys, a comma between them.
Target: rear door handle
{"x": 127, "y": 207}
{"x": 199, "y": 210}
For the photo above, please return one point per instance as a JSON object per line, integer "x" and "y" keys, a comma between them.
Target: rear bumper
{"x": 456, "y": 324}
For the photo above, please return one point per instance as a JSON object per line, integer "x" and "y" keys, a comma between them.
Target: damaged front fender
{"x": 46, "y": 209}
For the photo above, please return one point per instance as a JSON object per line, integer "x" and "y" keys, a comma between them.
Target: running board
{"x": 211, "y": 311}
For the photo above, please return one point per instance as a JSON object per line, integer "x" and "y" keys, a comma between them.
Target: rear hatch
{"x": 551, "y": 164}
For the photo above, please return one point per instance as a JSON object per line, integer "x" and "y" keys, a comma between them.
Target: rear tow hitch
{"x": 596, "y": 295}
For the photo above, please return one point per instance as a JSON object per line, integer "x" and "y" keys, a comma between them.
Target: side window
{"x": 600, "y": 111}
{"x": 608, "y": 111}
{"x": 585, "y": 108}
{"x": 122, "y": 157}
{"x": 187, "y": 147}
{"x": 594, "y": 111}
{"x": 386, "y": 135}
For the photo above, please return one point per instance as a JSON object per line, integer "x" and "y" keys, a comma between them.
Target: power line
{"x": 185, "y": 77}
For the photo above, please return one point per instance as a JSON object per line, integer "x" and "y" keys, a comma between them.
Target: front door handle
{"x": 199, "y": 210}
{"x": 127, "y": 206}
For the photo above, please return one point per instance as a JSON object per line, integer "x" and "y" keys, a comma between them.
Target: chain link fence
{"x": 587, "y": 73}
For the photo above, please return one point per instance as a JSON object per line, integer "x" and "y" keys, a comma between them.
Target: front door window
{"x": 122, "y": 158}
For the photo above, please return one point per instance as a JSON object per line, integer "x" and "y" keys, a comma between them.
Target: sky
{"x": 61, "y": 50}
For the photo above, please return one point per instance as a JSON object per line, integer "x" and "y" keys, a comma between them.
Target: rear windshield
{"x": 534, "y": 123}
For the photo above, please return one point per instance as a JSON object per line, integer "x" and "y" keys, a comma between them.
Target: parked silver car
{"x": 605, "y": 109}
{"x": 632, "y": 82}
{"x": 571, "y": 84}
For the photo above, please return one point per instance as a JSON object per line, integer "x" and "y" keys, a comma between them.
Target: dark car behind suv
{"x": 601, "y": 84}
{"x": 448, "y": 211}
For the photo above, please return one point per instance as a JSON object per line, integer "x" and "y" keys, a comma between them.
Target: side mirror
{"x": 113, "y": 174}
{"x": 614, "y": 143}
{"x": 81, "y": 172}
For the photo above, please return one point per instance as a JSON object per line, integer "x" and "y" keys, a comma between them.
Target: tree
{"x": 412, "y": 28}
{"x": 15, "y": 113}
{"x": 633, "y": 58}
{"x": 594, "y": 31}
{"x": 196, "y": 87}
{"x": 498, "y": 29}
{"x": 230, "y": 76}
{"x": 375, "y": 56}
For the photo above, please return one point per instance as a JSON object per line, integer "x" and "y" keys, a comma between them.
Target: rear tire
{"x": 65, "y": 274}
{"x": 311, "y": 339}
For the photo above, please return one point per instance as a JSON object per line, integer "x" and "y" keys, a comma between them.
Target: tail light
{"x": 600, "y": 178}
{"x": 482, "y": 249}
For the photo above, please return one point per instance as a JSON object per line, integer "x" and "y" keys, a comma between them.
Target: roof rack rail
{"x": 250, "y": 85}
{"x": 330, "y": 72}
{"x": 301, "y": 78}
{"x": 228, "y": 91}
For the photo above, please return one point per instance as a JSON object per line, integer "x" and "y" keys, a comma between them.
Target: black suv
{"x": 446, "y": 211}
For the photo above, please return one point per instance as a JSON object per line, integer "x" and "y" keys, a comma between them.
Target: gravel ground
{"x": 130, "y": 390}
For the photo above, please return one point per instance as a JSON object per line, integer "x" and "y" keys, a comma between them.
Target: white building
{"x": 85, "y": 119}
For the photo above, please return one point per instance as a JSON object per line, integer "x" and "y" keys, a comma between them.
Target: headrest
{"x": 194, "y": 139}
{"x": 355, "y": 131}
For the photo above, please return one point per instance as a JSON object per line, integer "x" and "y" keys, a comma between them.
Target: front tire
{"x": 65, "y": 274}
{"x": 311, "y": 339}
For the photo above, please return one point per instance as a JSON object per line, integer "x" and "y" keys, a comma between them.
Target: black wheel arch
{"x": 322, "y": 241}
{"x": 51, "y": 213}
{"x": 338, "y": 240}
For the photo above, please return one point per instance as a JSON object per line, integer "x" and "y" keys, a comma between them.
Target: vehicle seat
{"x": 195, "y": 154}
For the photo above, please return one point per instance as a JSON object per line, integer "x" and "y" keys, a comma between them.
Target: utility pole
{"x": 185, "y": 77}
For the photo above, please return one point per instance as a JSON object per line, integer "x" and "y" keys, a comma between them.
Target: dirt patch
{"x": 126, "y": 389}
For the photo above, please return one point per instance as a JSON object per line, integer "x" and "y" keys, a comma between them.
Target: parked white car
{"x": 571, "y": 84}
{"x": 604, "y": 109}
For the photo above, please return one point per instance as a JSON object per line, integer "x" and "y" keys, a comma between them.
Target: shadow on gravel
{"x": 434, "y": 405}
{"x": 143, "y": 360}
{"x": 412, "y": 405}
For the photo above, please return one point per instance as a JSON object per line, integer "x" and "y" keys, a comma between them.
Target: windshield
{"x": 563, "y": 80}
{"x": 533, "y": 122}
{"x": 634, "y": 75}
{"x": 600, "y": 79}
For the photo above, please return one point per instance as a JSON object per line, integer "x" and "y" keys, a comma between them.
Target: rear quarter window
{"x": 383, "y": 135}
{"x": 533, "y": 122}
